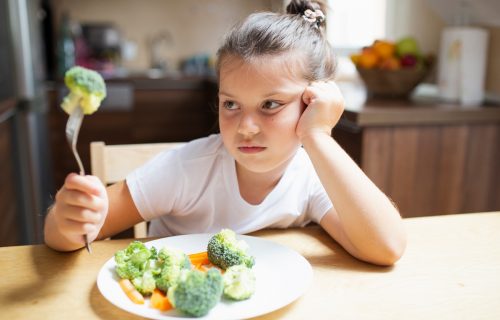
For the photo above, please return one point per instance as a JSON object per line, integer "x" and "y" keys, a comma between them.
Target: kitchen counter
{"x": 143, "y": 81}
{"x": 410, "y": 112}
{"x": 429, "y": 157}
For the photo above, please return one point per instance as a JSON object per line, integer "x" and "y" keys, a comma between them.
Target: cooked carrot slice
{"x": 160, "y": 301}
{"x": 199, "y": 254}
{"x": 199, "y": 258}
{"x": 131, "y": 291}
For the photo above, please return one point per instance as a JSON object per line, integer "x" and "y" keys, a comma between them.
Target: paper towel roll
{"x": 462, "y": 65}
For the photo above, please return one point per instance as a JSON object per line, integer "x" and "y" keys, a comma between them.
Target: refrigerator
{"x": 26, "y": 188}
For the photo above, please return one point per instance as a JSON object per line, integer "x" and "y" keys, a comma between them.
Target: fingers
{"x": 321, "y": 89}
{"x": 75, "y": 227}
{"x": 88, "y": 184}
{"x": 83, "y": 215}
{"x": 79, "y": 198}
{"x": 325, "y": 105}
{"x": 81, "y": 205}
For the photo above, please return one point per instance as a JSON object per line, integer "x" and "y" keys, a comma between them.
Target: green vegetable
{"x": 146, "y": 283}
{"x": 239, "y": 282}
{"x": 172, "y": 262}
{"x": 224, "y": 250}
{"x": 196, "y": 292}
{"x": 138, "y": 264}
{"x": 86, "y": 88}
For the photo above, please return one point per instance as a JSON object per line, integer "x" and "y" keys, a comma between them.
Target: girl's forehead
{"x": 265, "y": 66}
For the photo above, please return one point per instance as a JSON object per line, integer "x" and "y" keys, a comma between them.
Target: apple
{"x": 407, "y": 46}
{"x": 409, "y": 61}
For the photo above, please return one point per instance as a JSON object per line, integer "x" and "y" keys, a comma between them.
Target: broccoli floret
{"x": 132, "y": 261}
{"x": 196, "y": 292}
{"x": 86, "y": 87}
{"x": 172, "y": 262}
{"x": 239, "y": 282}
{"x": 224, "y": 250}
{"x": 146, "y": 283}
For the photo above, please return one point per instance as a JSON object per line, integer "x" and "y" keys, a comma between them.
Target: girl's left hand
{"x": 324, "y": 106}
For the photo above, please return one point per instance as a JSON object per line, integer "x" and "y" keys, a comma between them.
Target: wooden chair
{"x": 112, "y": 163}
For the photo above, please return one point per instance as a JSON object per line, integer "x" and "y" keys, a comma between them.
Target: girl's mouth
{"x": 251, "y": 149}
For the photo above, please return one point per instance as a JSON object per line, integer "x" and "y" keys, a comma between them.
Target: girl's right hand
{"x": 80, "y": 208}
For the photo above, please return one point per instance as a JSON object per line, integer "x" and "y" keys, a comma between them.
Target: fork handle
{"x": 78, "y": 160}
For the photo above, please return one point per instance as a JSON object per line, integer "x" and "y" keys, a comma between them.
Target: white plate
{"x": 282, "y": 275}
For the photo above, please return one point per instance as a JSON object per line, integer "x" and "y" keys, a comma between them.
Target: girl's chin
{"x": 253, "y": 168}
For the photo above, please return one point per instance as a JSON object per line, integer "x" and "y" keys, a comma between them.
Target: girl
{"x": 274, "y": 163}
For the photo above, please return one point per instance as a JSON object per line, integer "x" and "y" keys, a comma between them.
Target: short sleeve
{"x": 156, "y": 186}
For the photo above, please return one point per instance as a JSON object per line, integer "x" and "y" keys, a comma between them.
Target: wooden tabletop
{"x": 450, "y": 270}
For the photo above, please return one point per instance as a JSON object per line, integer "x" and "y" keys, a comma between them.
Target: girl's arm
{"x": 122, "y": 212}
{"x": 364, "y": 221}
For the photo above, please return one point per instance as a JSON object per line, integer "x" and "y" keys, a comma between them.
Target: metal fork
{"x": 72, "y": 129}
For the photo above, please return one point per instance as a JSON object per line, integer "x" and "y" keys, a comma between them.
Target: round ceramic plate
{"x": 282, "y": 276}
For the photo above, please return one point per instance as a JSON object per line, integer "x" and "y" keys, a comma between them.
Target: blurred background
{"x": 420, "y": 78}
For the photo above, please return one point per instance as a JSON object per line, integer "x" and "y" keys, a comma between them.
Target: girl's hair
{"x": 268, "y": 33}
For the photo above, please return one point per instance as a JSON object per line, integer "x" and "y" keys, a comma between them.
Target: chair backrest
{"x": 112, "y": 163}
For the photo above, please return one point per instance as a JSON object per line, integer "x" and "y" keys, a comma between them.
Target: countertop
{"x": 423, "y": 107}
{"x": 408, "y": 112}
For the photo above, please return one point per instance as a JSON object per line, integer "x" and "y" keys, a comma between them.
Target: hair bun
{"x": 300, "y": 6}
{"x": 311, "y": 11}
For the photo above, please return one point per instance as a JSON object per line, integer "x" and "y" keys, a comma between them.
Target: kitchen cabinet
{"x": 429, "y": 158}
{"x": 137, "y": 110}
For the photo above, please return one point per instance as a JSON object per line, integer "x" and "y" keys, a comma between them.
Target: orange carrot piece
{"x": 160, "y": 301}
{"x": 131, "y": 291}
{"x": 208, "y": 266}
{"x": 198, "y": 254}
{"x": 196, "y": 261}
{"x": 199, "y": 258}
{"x": 199, "y": 266}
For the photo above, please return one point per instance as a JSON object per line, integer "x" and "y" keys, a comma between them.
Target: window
{"x": 353, "y": 24}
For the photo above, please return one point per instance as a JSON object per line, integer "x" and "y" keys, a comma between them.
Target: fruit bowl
{"x": 392, "y": 69}
{"x": 392, "y": 83}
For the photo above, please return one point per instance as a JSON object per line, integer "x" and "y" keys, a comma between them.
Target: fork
{"x": 72, "y": 129}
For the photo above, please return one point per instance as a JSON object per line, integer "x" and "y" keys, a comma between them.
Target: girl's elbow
{"x": 392, "y": 251}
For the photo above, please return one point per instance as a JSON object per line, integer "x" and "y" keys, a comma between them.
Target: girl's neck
{"x": 255, "y": 186}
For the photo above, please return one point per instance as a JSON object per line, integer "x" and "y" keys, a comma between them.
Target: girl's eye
{"x": 229, "y": 105}
{"x": 269, "y": 105}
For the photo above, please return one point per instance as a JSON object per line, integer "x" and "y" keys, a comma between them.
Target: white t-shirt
{"x": 194, "y": 189}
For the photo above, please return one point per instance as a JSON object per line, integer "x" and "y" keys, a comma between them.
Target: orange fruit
{"x": 384, "y": 49}
{"x": 368, "y": 58}
{"x": 355, "y": 58}
{"x": 391, "y": 63}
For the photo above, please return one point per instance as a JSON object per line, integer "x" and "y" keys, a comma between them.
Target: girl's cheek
{"x": 290, "y": 117}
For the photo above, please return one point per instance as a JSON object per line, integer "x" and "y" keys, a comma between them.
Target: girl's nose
{"x": 248, "y": 126}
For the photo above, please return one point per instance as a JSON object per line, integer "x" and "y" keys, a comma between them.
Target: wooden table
{"x": 450, "y": 270}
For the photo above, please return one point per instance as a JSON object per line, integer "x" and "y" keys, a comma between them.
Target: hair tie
{"x": 315, "y": 17}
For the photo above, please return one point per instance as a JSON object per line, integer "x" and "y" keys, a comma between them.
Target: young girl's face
{"x": 260, "y": 104}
